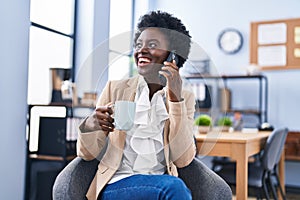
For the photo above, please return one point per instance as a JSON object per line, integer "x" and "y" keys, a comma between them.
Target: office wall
{"x": 206, "y": 19}
{"x": 14, "y": 36}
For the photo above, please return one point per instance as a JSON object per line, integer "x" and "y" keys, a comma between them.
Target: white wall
{"x": 14, "y": 36}
{"x": 206, "y": 19}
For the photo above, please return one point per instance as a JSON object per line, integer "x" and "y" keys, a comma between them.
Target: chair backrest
{"x": 273, "y": 148}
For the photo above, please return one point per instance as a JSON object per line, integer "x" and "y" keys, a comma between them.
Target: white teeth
{"x": 144, "y": 60}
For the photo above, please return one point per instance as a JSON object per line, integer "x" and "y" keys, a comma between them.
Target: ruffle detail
{"x": 147, "y": 135}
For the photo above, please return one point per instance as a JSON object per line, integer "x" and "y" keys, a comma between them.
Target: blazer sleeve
{"x": 181, "y": 136}
{"x": 91, "y": 139}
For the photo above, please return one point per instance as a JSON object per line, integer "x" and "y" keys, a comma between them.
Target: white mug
{"x": 124, "y": 113}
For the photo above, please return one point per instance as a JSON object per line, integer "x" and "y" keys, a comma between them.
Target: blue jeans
{"x": 147, "y": 187}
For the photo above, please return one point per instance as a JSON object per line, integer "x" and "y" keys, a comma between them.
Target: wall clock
{"x": 230, "y": 41}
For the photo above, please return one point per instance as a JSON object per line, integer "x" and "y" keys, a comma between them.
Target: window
{"x": 51, "y": 45}
{"x": 120, "y": 42}
{"x": 121, "y": 63}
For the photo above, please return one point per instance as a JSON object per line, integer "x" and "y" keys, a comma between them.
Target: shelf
{"x": 51, "y": 142}
{"x": 71, "y": 105}
{"x": 51, "y": 158}
{"x": 262, "y": 94}
{"x": 249, "y": 111}
{"x": 245, "y": 111}
{"x": 197, "y": 76}
{"x": 292, "y": 158}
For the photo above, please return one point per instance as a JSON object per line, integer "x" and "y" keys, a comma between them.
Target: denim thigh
{"x": 147, "y": 187}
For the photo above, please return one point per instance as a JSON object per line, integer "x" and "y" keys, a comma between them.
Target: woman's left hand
{"x": 174, "y": 82}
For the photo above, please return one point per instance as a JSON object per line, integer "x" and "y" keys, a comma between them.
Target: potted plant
{"x": 204, "y": 123}
{"x": 224, "y": 123}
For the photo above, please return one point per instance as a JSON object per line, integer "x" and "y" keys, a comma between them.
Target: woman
{"x": 137, "y": 164}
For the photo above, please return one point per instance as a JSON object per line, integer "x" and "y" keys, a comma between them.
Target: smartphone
{"x": 172, "y": 56}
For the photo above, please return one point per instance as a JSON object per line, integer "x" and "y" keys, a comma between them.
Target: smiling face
{"x": 150, "y": 53}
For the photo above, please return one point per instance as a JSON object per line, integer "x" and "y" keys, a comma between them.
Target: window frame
{"x": 72, "y": 37}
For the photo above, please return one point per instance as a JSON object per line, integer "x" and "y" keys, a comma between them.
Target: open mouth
{"x": 143, "y": 61}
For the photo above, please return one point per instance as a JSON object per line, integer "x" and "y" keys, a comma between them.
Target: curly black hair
{"x": 174, "y": 30}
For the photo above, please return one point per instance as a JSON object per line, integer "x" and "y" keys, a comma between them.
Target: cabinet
{"x": 292, "y": 146}
{"x": 51, "y": 144}
{"x": 261, "y": 97}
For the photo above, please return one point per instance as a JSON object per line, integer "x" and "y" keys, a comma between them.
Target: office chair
{"x": 73, "y": 182}
{"x": 262, "y": 174}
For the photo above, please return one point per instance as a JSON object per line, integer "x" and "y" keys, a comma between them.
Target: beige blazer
{"x": 179, "y": 149}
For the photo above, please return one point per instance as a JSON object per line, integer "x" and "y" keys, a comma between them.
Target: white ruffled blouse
{"x": 144, "y": 148}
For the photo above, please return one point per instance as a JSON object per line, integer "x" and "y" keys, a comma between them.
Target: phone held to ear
{"x": 172, "y": 56}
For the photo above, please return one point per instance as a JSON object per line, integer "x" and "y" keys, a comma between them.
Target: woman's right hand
{"x": 105, "y": 120}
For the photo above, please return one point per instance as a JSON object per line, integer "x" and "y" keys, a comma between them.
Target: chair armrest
{"x": 73, "y": 181}
{"x": 204, "y": 183}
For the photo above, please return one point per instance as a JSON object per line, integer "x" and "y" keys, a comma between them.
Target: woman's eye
{"x": 152, "y": 45}
{"x": 138, "y": 45}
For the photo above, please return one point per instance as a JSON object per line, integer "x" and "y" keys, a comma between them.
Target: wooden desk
{"x": 239, "y": 147}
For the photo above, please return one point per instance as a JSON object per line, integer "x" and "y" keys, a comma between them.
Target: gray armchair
{"x": 73, "y": 181}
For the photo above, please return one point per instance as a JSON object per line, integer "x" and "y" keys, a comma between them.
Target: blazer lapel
{"x": 130, "y": 89}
